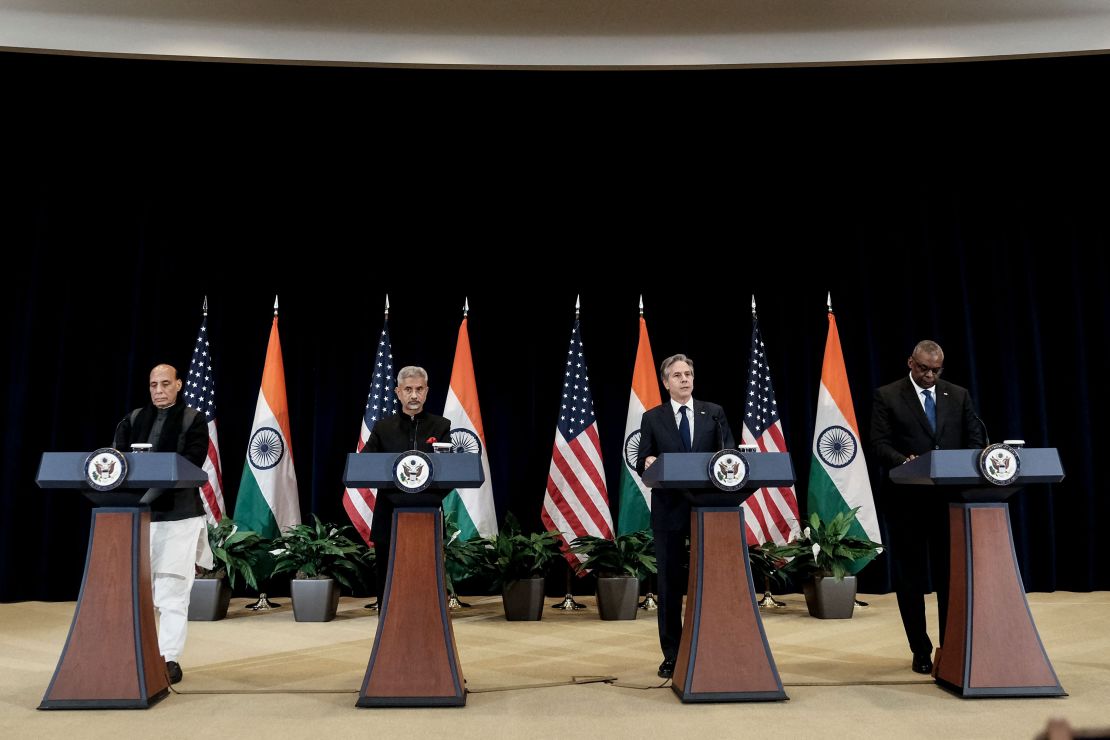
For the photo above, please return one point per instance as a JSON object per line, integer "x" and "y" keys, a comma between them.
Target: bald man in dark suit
{"x": 910, "y": 417}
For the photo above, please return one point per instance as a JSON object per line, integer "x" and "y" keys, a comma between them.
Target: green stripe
{"x": 251, "y": 509}
{"x": 453, "y": 504}
{"x": 825, "y": 498}
{"x": 634, "y": 512}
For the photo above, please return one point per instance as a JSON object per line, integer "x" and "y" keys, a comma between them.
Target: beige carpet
{"x": 264, "y": 675}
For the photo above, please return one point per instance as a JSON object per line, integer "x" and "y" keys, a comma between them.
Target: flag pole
{"x": 828, "y": 303}
{"x": 768, "y": 601}
{"x": 263, "y": 603}
{"x": 568, "y": 603}
{"x": 649, "y": 603}
{"x": 376, "y": 604}
{"x": 453, "y": 601}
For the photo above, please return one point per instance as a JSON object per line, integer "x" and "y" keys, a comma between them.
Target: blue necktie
{"x": 930, "y": 410}
{"x": 684, "y": 429}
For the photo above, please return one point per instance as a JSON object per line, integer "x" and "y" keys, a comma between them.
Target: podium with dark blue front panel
{"x": 414, "y": 661}
{"x": 723, "y": 655}
{"x": 110, "y": 659}
{"x": 991, "y": 644}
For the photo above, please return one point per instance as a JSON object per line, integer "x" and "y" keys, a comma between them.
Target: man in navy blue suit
{"x": 911, "y": 416}
{"x": 682, "y": 425}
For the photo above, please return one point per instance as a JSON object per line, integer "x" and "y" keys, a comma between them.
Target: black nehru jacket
{"x": 190, "y": 442}
{"x": 401, "y": 433}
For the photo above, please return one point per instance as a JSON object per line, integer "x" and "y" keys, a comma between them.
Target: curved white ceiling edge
{"x": 591, "y": 33}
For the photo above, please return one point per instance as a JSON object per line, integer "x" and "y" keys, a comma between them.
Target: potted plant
{"x": 319, "y": 555}
{"x": 236, "y": 552}
{"x": 517, "y": 563}
{"x": 767, "y": 571}
{"x": 827, "y": 553}
{"x": 620, "y": 564}
{"x": 461, "y": 558}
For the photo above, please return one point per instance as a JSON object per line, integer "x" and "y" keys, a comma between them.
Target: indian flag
{"x": 472, "y": 507}
{"x": 268, "y": 501}
{"x": 838, "y": 480}
{"x": 635, "y": 497}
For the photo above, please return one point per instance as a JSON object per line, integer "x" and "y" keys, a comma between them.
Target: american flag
{"x": 380, "y": 403}
{"x": 770, "y": 513}
{"x": 576, "y": 502}
{"x": 200, "y": 394}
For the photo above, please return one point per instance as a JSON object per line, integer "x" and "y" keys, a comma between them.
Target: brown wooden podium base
{"x": 723, "y": 655}
{"x": 111, "y": 659}
{"x": 991, "y": 644}
{"x": 415, "y": 662}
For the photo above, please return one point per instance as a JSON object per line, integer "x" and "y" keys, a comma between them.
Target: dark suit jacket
{"x": 401, "y": 433}
{"x": 899, "y": 427}
{"x": 658, "y": 434}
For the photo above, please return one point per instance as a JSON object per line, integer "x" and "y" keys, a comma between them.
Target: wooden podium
{"x": 414, "y": 662}
{"x": 991, "y": 645}
{"x": 111, "y": 659}
{"x": 723, "y": 655}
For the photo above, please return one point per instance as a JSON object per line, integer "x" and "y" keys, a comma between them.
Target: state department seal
{"x": 105, "y": 469}
{"x": 1000, "y": 464}
{"x": 728, "y": 470}
{"x": 412, "y": 471}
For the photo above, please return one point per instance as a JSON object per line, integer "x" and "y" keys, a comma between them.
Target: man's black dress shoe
{"x": 922, "y": 663}
{"x": 173, "y": 670}
{"x": 666, "y": 668}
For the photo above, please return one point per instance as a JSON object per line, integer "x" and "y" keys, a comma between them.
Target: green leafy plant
{"x": 630, "y": 554}
{"x": 318, "y": 551}
{"x": 510, "y": 556}
{"x": 826, "y": 548}
{"x": 237, "y": 552}
{"x": 768, "y": 566}
{"x": 461, "y": 558}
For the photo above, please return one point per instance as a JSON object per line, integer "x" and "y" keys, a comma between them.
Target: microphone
{"x": 720, "y": 432}
{"x": 983, "y": 424}
{"x": 115, "y": 434}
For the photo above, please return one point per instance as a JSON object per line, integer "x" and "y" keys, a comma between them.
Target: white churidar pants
{"x": 175, "y": 549}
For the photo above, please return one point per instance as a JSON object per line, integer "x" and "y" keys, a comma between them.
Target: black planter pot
{"x": 523, "y": 600}
{"x": 314, "y": 600}
{"x": 828, "y": 598}
{"x": 209, "y": 599}
{"x": 618, "y": 597}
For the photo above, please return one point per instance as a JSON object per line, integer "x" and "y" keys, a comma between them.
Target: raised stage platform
{"x": 265, "y": 675}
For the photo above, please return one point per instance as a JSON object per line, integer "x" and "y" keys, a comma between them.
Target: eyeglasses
{"x": 925, "y": 369}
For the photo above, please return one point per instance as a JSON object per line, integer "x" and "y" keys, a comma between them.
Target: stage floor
{"x": 264, "y": 675}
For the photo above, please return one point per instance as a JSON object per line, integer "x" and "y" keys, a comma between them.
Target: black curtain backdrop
{"x": 522, "y": 191}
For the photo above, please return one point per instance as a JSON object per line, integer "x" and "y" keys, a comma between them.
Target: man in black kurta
{"x": 412, "y": 428}
{"x": 178, "y": 535}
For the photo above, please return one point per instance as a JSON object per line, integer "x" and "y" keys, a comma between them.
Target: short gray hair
{"x": 672, "y": 360}
{"x": 928, "y": 347}
{"x": 411, "y": 371}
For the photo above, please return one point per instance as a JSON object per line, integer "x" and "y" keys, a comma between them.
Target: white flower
{"x": 878, "y": 551}
{"x": 816, "y": 549}
{"x": 805, "y": 533}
